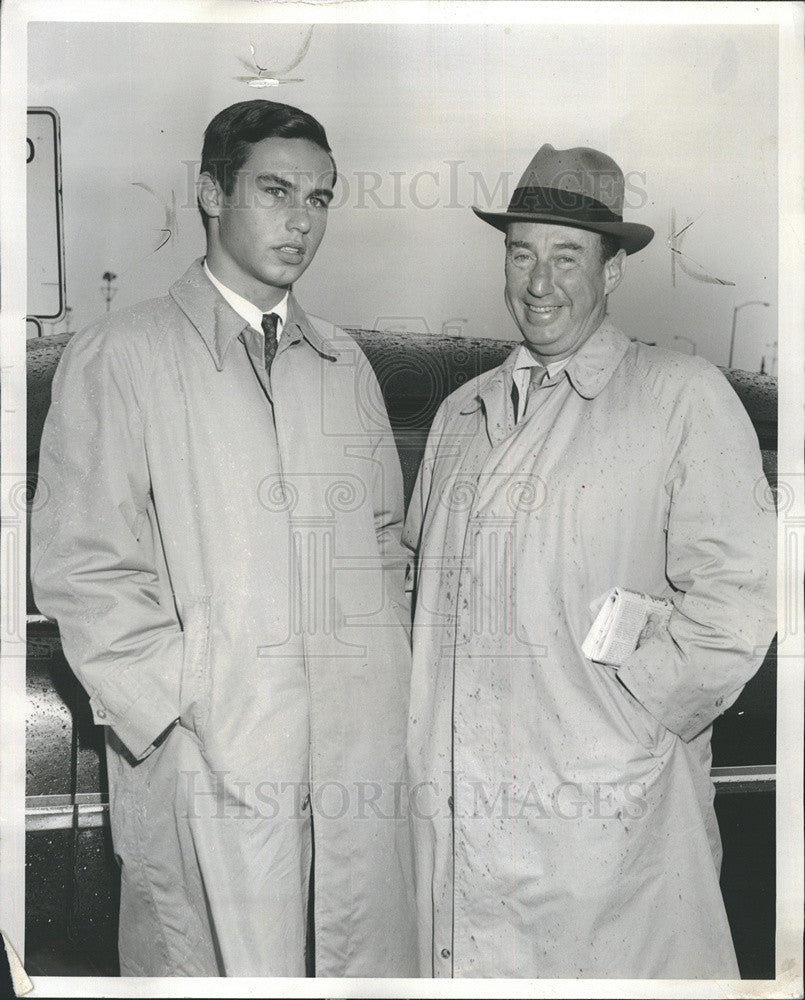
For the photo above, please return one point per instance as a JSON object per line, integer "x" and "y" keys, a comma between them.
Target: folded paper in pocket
{"x": 622, "y": 616}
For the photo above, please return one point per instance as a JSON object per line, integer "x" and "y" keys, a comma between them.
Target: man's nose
{"x": 540, "y": 281}
{"x": 298, "y": 218}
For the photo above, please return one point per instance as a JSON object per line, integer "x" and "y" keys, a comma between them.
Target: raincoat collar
{"x": 219, "y": 324}
{"x": 298, "y": 327}
{"x": 492, "y": 382}
{"x": 594, "y": 364}
{"x": 589, "y": 370}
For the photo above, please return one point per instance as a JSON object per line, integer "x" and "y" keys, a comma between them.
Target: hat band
{"x": 558, "y": 201}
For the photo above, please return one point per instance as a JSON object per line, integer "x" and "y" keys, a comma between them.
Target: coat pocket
{"x": 649, "y": 732}
{"x": 195, "y": 686}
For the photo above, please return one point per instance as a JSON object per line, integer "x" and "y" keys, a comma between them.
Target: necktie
{"x": 269, "y": 324}
{"x": 537, "y": 375}
{"x": 536, "y": 378}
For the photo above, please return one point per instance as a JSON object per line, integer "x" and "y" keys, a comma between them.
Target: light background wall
{"x": 424, "y": 120}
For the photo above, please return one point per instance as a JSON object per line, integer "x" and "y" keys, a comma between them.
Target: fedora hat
{"x": 577, "y": 187}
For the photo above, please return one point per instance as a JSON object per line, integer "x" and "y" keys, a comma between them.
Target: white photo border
{"x": 16, "y": 15}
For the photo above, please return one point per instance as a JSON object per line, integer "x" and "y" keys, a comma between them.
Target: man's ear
{"x": 614, "y": 269}
{"x": 209, "y": 195}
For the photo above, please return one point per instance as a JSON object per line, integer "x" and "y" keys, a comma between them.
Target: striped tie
{"x": 269, "y": 324}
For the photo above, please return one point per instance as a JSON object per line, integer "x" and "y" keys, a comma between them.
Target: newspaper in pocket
{"x": 616, "y": 630}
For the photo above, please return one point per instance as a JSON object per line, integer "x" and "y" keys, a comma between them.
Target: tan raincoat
{"x": 563, "y": 810}
{"x": 237, "y": 564}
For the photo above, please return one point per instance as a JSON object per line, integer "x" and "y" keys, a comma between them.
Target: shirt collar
{"x": 248, "y": 310}
{"x": 526, "y": 360}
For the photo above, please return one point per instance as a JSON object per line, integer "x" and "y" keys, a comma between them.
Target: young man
{"x": 220, "y": 545}
{"x": 564, "y": 821}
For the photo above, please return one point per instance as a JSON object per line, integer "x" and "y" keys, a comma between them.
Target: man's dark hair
{"x": 610, "y": 244}
{"x": 232, "y": 132}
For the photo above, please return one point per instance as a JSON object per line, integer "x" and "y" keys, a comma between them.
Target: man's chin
{"x": 282, "y": 279}
{"x": 541, "y": 344}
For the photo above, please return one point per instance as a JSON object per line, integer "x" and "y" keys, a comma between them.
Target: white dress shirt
{"x": 248, "y": 310}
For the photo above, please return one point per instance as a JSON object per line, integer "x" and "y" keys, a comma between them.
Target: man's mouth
{"x": 543, "y": 311}
{"x": 291, "y": 253}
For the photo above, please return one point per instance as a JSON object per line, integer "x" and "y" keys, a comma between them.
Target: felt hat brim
{"x": 632, "y": 235}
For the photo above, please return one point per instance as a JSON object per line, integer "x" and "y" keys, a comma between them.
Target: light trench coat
{"x": 562, "y": 809}
{"x": 225, "y": 552}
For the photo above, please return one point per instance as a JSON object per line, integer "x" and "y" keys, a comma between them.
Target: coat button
{"x": 450, "y": 802}
{"x": 306, "y": 802}
{"x": 100, "y": 713}
{"x": 445, "y": 953}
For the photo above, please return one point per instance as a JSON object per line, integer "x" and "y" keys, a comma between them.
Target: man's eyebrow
{"x": 287, "y": 185}
{"x": 276, "y": 179}
{"x": 525, "y": 245}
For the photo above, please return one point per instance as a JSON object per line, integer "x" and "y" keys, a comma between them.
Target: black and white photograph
{"x": 403, "y": 499}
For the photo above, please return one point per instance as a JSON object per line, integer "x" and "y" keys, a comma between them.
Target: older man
{"x": 564, "y": 821}
{"x": 219, "y": 540}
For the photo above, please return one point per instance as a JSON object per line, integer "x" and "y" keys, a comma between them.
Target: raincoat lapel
{"x": 494, "y": 398}
{"x": 208, "y": 311}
